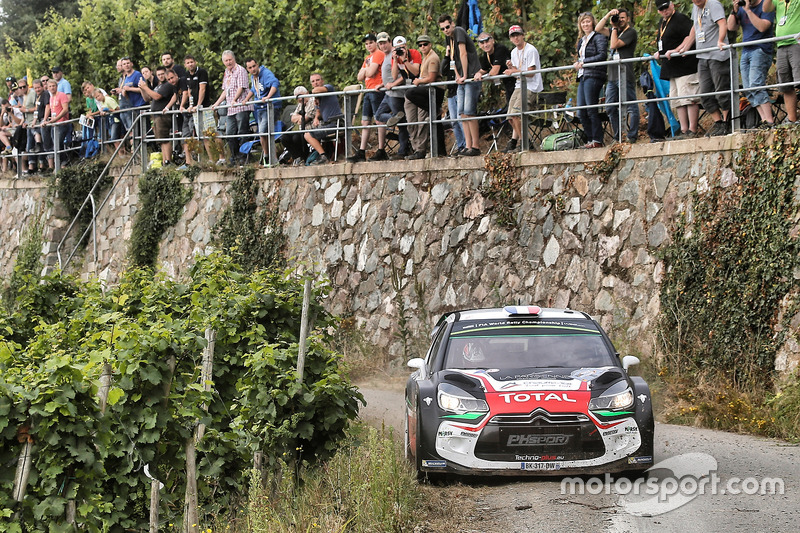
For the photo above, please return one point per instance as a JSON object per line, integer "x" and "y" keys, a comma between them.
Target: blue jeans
{"x": 612, "y": 97}
{"x": 452, "y": 111}
{"x": 589, "y": 94}
{"x": 754, "y": 66}
{"x": 238, "y": 124}
{"x": 468, "y": 94}
{"x": 392, "y": 105}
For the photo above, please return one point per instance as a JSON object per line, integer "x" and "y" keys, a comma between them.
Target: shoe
{"x": 380, "y": 155}
{"x": 167, "y": 164}
{"x": 220, "y": 162}
{"x": 472, "y": 152}
{"x": 416, "y": 155}
{"x": 312, "y": 157}
{"x": 593, "y": 144}
{"x": 632, "y": 140}
{"x": 764, "y": 125}
{"x": 297, "y": 162}
{"x": 398, "y": 156}
{"x": 321, "y": 160}
{"x": 7, "y": 151}
{"x": 656, "y": 140}
{"x": 394, "y": 120}
{"x": 183, "y": 167}
{"x": 511, "y": 146}
{"x": 357, "y": 157}
{"x": 37, "y": 148}
{"x": 719, "y": 128}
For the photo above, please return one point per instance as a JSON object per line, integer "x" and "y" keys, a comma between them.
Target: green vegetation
{"x": 72, "y": 187}
{"x": 161, "y": 201}
{"x": 254, "y": 235}
{"x": 149, "y": 332}
{"x": 729, "y": 292}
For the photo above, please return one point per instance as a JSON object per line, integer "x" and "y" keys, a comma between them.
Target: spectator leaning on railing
{"x": 787, "y": 15}
{"x": 591, "y": 47}
{"x": 235, "y": 92}
{"x": 680, "y": 71}
{"x": 622, "y": 45}
{"x": 370, "y": 75}
{"x": 328, "y": 116}
{"x": 710, "y": 35}
{"x": 417, "y": 106}
{"x": 524, "y": 57}
{"x": 756, "y": 59}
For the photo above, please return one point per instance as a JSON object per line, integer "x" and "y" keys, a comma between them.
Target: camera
{"x": 400, "y": 51}
{"x": 615, "y": 19}
{"x": 740, "y": 3}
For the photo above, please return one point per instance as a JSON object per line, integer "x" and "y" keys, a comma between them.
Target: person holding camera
{"x": 710, "y": 34}
{"x": 788, "y": 56}
{"x": 370, "y": 74}
{"x": 622, "y": 39}
{"x": 400, "y": 64}
{"x": 757, "y": 58}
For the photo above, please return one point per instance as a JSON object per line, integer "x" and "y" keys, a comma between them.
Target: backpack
{"x": 567, "y": 140}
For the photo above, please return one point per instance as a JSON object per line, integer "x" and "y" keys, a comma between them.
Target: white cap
{"x": 399, "y": 41}
{"x": 300, "y": 90}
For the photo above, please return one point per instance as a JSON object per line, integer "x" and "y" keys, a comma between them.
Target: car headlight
{"x": 455, "y": 400}
{"x": 621, "y": 400}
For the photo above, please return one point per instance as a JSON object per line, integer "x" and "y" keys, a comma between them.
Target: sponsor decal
{"x": 631, "y": 429}
{"x": 428, "y": 463}
{"x": 540, "y": 466}
{"x": 427, "y": 401}
{"x": 521, "y": 383}
{"x": 611, "y": 432}
{"x": 538, "y": 396}
{"x": 640, "y": 460}
{"x": 469, "y": 435}
{"x": 537, "y": 440}
{"x": 642, "y": 398}
{"x": 538, "y": 457}
{"x": 445, "y": 433}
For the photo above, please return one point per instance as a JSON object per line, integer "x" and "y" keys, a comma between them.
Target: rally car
{"x": 525, "y": 390}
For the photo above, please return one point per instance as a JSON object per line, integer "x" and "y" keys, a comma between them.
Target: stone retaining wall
{"x": 420, "y": 238}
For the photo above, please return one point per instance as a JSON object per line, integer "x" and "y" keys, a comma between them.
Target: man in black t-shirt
{"x": 493, "y": 62}
{"x": 196, "y": 95}
{"x": 42, "y": 141}
{"x": 681, "y": 71}
{"x": 162, "y": 99}
{"x": 622, "y": 39}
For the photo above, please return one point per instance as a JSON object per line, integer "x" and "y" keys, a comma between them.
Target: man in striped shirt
{"x": 235, "y": 91}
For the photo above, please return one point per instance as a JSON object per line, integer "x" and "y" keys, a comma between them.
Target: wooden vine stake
{"x": 206, "y": 373}
{"x": 155, "y": 484}
{"x": 23, "y": 468}
{"x": 301, "y": 356}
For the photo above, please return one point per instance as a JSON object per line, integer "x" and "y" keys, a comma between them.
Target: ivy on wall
{"x": 730, "y": 267}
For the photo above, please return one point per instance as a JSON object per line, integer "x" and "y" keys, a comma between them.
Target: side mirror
{"x": 417, "y": 363}
{"x": 629, "y": 361}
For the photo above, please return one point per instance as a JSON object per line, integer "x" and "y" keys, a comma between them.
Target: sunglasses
{"x": 445, "y": 28}
{"x": 423, "y": 44}
{"x": 486, "y": 40}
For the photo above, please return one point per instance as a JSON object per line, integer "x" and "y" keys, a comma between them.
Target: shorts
{"x": 788, "y": 66}
{"x": 326, "y": 128}
{"x": 515, "y": 104}
{"x": 686, "y": 86}
{"x": 468, "y": 94}
{"x": 372, "y": 101}
{"x": 263, "y": 118}
{"x": 161, "y": 127}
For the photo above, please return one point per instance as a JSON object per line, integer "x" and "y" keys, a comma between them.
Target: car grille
{"x": 549, "y": 436}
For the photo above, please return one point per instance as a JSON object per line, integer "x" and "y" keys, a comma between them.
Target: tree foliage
{"x": 151, "y": 333}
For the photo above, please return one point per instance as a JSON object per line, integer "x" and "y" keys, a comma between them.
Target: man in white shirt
{"x": 524, "y": 57}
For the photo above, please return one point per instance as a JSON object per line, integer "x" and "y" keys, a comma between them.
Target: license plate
{"x": 541, "y": 466}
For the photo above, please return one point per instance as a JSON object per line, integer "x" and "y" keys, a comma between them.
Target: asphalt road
{"x": 707, "y": 481}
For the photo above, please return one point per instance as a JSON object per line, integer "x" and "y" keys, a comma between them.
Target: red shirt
{"x": 375, "y": 81}
{"x": 59, "y": 102}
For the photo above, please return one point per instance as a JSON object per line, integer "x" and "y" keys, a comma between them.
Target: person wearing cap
{"x": 12, "y": 127}
{"x": 787, "y": 61}
{"x": 524, "y": 57}
{"x": 710, "y": 34}
{"x": 302, "y": 115}
{"x": 494, "y": 61}
{"x": 55, "y": 129}
{"x": 756, "y": 59}
{"x": 389, "y": 106}
{"x": 370, "y": 75}
{"x": 63, "y": 85}
{"x": 464, "y": 63}
{"x": 264, "y": 85}
{"x": 680, "y": 71}
{"x": 621, "y": 45}
{"x": 417, "y": 104}
{"x": 10, "y": 80}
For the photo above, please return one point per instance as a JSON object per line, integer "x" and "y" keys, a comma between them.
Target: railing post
{"x": 524, "y": 133}
{"x": 139, "y": 127}
{"x": 273, "y": 158}
{"x": 734, "y": 110}
{"x": 348, "y": 142}
{"x": 622, "y": 91}
{"x": 56, "y": 154}
{"x": 432, "y": 115}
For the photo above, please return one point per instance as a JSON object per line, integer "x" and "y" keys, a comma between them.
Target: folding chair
{"x": 499, "y": 128}
{"x": 353, "y": 105}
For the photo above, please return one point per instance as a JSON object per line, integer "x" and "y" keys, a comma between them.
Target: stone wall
{"x": 420, "y": 238}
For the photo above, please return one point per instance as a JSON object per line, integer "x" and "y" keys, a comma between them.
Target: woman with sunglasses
{"x": 592, "y": 47}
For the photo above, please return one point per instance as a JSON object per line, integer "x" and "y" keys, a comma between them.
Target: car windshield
{"x": 524, "y": 343}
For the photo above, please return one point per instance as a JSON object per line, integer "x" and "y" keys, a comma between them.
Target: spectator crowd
{"x": 398, "y": 98}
